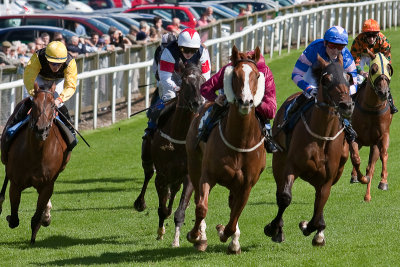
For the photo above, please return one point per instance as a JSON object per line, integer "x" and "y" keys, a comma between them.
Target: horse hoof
{"x": 32, "y": 241}
{"x": 201, "y": 245}
{"x": 278, "y": 238}
{"x": 139, "y": 205}
{"x": 383, "y": 186}
{"x": 12, "y": 223}
{"x": 303, "y": 228}
{"x": 367, "y": 198}
{"x": 364, "y": 179}
{"x": 191, "y": 239}
{"x": 318, "y": 243}
{"x": 353, "y": 179}
{"x": 46, "y": 223}
{"x": 175, "y": 244}
{"x": 233, "y": 252}
{"x": 220, "y": 230}
{"x": 268, "y": 230}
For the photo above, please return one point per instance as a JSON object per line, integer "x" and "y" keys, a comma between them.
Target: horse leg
{"x": 283, "y": 198}
{"x": 46, "y": 216}
{"x": 373, "y": 157}
{"x": 197, "y": 235}
{"x": 356, "y": 175}
{"x": 179, "y": 217}
{"x": 15, "y": 198}
{"x": 3, "y": 193}
{"x": 163, "y": 195}
{"x": 317, "y": 222}
{"x": 147, "y": 164}
{"x": 383, "y": 184}
{"x": 43, "y": 200}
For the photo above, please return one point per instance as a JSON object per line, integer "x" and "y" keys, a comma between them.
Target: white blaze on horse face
{"x": 247, "y": 94}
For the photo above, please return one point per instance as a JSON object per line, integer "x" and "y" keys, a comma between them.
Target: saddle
{"x": 166, "y": 113}
{"x": 292, "y": 119}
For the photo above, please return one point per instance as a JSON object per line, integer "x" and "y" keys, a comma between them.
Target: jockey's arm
{"x": 165, "y": 71}
{"x": 31, "y": 72}
{"x": 216, "y": 82}
{"x": 267, "y": 108}
{"x": 350, "y": 67}
{"x": 205, "y": 64}
{"x": 300, "y": 68}
{"x": 70, "y": 81}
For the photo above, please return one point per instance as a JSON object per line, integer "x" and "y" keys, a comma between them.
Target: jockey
{"x": 187, "y": 48}
{"x": 333, "y": 44}
{"x": 48, "y": 65}
{"x": 373, "y": 40}
{"x": 265, "y": 111}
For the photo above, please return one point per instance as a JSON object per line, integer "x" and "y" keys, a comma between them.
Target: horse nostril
{"x": 346, "y": 105}
{"x": 240, "y": 101}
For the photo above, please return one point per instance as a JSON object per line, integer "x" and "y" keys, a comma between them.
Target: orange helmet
{"x": 371, "y": 25}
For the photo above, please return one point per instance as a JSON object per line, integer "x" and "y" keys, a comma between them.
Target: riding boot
{"x": 393, "y": 108}
{"x": 298, "y": 103}
{"x": 21, "y": 113}
{"x": 208, "y": 121}
{"x": 349, "y": 132}
{"x": 268, "y": 143}
{"x": 66, "y": 119}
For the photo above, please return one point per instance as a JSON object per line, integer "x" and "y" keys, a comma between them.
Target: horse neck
{"x": 332, "y": 125}
{"x": 39, "y": 146}
{"x": 180, "y": 121}
{"x": 241, "y": 130}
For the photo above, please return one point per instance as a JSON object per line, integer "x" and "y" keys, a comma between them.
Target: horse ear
{"x": 257, "y": 54}
{"x": 36, "y": 87}
{"x": 53, "y": 87}
{"x": 235, "y": 55}
{"x": 322, "y": 61}
{"x": 390, "y": 69}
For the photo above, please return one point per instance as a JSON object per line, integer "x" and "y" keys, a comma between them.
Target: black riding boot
{"x": 349, "y": 132}
{"x": 268, "y": 143}
{"x": 298, "y": 103}
{"x": 21, "y": 113}
{"x": 209, "y": 122}
{"x": 393, "y": 108}
{"x": 66, "y": 118}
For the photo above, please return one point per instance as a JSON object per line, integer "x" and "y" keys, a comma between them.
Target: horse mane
{"x": 322, "y": 64}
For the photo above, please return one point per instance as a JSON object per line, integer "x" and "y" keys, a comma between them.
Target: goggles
{"x": 55, "y": 64}
{"x": 188, "y": 50}
{"x": 336, "y": 46}
{"x": 371, "y": 34}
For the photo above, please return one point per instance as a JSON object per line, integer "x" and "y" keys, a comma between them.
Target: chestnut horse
{"x": 169, "y": 153}
{"x": 371, "y": 120}
{"x": 36, "y": 157}
{"x": 318, "y": 150}
{"x": 234, "y": 155}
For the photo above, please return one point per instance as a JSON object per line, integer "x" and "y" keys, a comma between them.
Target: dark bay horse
{"x": 169, "y": 153}
{"x": 317, "y": 151}
{"x": 36, "y": 157}
{"x": 371, "y": 120}
{"x": 234, "y": 155}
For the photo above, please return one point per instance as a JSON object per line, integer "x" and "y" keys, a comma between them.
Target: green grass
{"x": 93, "y": 222}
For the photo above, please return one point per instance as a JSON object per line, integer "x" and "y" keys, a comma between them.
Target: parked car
{"x": 9, "y": 7}
{"x": 218, "y": 13}
{"x": 127, "y": 21}
{"x": 27, "y": 34}
{"x": 62, "y": 21}
{"x": 45, "y": 5}
{"x": 73, "y": 5}
{"x": 258, "y": 5}
{"x": 149, "y": 18}
{"x": 112, "y": 22}
{"x": 187, "y": 15}
{"x": 99, "y": 4}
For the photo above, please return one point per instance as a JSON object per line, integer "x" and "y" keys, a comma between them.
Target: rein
{"x": 241, "y": 150}
{"x": 42, "y": 111}
{"x": 324, "y": 138}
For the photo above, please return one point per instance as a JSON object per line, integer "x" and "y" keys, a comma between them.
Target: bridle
{"x": 33, "y": 120}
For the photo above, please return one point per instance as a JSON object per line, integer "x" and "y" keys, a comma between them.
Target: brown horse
{"x": 371, "y": 120}
{"x": 36, "y": 157}
{"x": 234, "y": 154}
{"x": 169, "y": 153}
{"x": 317, "y": 152}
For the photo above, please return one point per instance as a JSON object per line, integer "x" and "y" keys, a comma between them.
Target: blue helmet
{"x": 336, "y": 35}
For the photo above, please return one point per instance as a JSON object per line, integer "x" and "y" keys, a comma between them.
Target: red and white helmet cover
{"x": 189, "y": 38}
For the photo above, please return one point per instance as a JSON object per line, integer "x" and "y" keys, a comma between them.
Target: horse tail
{"x": 2, "y": 193}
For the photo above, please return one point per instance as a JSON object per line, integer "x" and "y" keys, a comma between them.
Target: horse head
{"x": 244, "y": 85}
{"x": 334, "y": 85}
{"x": 380, "y": 73}
{"x": 43, "y": 110}
{"x": 192, "y": 79}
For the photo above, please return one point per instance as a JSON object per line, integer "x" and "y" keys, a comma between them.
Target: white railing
{"x": 275, "y": 34}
